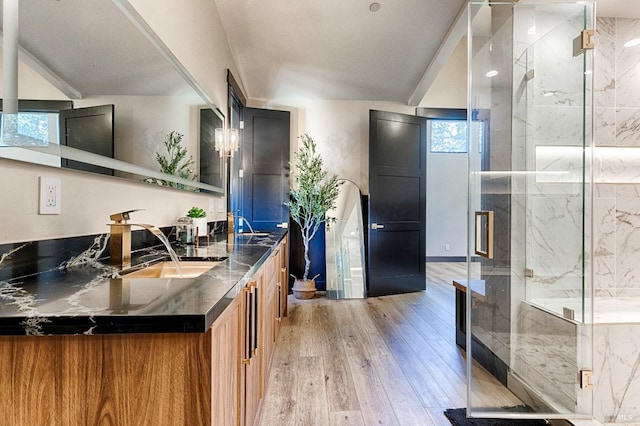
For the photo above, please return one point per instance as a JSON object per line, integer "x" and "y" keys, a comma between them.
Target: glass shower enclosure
{"x": 530, "y": 93}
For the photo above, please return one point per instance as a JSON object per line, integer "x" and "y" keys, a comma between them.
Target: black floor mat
{"x": 458, "y": 417}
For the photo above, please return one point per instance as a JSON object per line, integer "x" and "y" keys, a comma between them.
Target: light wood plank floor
{"x": 388, "y": 360}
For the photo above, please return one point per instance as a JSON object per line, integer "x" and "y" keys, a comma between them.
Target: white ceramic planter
{"x": 200, "y": 225}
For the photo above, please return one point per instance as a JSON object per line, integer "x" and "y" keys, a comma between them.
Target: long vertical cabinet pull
{"x": 276, "y": 266}
{"x": 254, "y": 335}
{"x": 284, "y": 281}
{"x": 246, "y": 350}
{"x": 284, "y": 276}
{"x": 279, "y": 304}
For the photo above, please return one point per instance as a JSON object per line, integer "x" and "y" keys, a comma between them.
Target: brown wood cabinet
{"x": 119, "y": 379}
{"x": 271, "y": 308}
{"x": 226, "y": 345}
{"x": 263, "y": 302}
{"x": 212, "y": 378}
{"x": 251, "y": 362}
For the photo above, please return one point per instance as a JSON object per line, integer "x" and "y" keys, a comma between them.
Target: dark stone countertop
{"x": 83, "y": 297}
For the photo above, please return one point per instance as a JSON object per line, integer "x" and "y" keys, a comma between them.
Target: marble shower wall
{"x": 548, "y": 204}
{"x": 616, "y": 392}
{"x": 617, "y": 167}
{"x": 548, "y": 138}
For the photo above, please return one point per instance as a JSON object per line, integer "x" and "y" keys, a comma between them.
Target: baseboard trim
{"x": 446, "y": 258}
{"x": 451, "y": 259}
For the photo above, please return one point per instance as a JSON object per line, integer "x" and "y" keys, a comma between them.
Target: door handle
{"x": 377, "y": 226}
{"x": 283, "y": 225}
{"x": 484, "y": 234}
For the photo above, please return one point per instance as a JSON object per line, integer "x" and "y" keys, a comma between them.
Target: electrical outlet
{"x": 447, "y": 247}
{"x": 50, "y": 195}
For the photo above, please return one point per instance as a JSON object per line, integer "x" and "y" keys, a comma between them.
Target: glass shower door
{"x": 529, "y": 207}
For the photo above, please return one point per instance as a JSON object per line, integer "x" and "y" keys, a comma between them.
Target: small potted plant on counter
{"x": 314, "y": 194}
{"x": 199, "y": 217}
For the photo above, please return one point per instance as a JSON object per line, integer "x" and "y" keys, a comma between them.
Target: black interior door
{"x": 265, "y": 168}
{"x": 397, "y": 204}
{"x": 91, "y": 130}
{"x": 210, "y": 165}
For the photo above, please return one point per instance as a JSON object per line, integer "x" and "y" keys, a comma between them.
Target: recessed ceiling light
{"x": 632, "y": 42}
{"x": 374, "y": 7}
{"x": 491, "y": 73}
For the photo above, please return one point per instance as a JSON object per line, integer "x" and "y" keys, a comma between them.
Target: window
{"x": 33, "y": 124}
{"x": 36, "y": 123}
{"x": 448, "y": 135}
{"x": 34, "y": 128}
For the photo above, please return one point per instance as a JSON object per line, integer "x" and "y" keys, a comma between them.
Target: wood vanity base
{"x": 213, "y": 378}
{"x": 128, "y": 379}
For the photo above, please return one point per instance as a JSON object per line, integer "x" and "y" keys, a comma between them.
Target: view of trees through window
{"x": 34, "y": 125}
{"x": 451, "y": 135}
{"x": 448, "y": 135}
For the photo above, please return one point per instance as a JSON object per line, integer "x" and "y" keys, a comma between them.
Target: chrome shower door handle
{"x": 484, "y": 234}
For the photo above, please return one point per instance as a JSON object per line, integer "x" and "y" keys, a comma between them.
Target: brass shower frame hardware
{"x": 484, "y": 222}
{"x": 583, "y": 42}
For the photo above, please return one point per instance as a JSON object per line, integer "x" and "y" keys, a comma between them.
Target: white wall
{"x": 193, "y": 32}
{"x": 447, "y": 173}
{"x": 446, "y": 204}
{"x": 87, "y": 201}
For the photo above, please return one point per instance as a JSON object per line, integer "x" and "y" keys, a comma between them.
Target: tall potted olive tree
{"x": 314, "y": 193}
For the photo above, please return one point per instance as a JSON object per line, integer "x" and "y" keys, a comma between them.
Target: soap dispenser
{"x": 185, "y": 230}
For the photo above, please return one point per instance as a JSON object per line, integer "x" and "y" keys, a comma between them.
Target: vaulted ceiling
{"x": 341, "y": 50}
{"x": 335, "y": 49}
{"x": 284, "y": 49}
